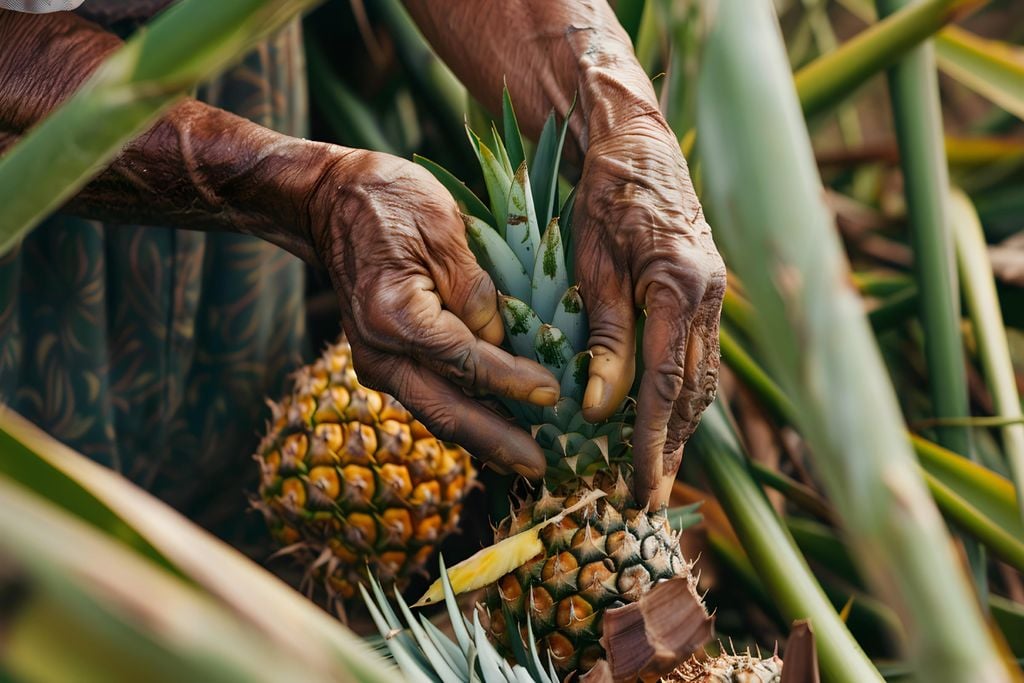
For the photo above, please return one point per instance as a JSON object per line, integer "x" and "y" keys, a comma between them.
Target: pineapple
{"x": 611, "y": 551}
{"x": 729, "y": 668}
{"x": 351, "y": 483}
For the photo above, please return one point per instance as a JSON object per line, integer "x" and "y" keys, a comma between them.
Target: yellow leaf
{"x": 490, "y": 564}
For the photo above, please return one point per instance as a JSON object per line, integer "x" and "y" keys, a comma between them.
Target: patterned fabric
{"x": 150, "y": 349}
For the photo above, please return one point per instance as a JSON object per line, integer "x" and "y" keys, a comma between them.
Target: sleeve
{"x": 40, "y": 6}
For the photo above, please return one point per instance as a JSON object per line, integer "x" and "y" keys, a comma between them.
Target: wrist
{"x": 615, "y": 94}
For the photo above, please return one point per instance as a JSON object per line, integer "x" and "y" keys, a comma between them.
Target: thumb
{"x": 609, "y": 304}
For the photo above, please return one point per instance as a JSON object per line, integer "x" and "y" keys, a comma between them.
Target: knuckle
{"x": 441, "y": 417}
{"x": 459, "y": 365}
{"x": 668, "y": 380}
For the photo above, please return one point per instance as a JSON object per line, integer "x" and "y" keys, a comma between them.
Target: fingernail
{"x": 543, "y": 396}
{"x": 595, "y": 393}
{"x": 524, "y": 471}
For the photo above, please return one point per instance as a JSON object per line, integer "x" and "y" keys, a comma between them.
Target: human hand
{"x": 642, "y": 244}
{"x": 419, "y": 312}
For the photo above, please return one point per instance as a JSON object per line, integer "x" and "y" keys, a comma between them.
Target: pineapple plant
{"x": 351, "y": 484}
{"x": 591, "y": 546}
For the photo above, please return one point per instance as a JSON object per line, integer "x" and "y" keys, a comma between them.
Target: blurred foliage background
{"x": 883, "y": 387}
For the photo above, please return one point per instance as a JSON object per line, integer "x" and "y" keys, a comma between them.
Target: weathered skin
{"x": 420, "y": 314}
{"x": 641, "y": 239}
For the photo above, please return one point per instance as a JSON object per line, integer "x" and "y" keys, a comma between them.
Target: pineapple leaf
{"x": 522, "y": 232}
{"x": 544, "y": 169}
{"x": 454, "y": 615}
{"x": 521, "y": 324}
{"x": 399, "y": 648}
{"x": 552, "y": 349}
{"x": 685, "y": 516}
{"x": 518, "y": 648}
{"x": 488, "y": 658}
{"x": 562, "y": 412}
{"x": 437, "y": 660}
{"x": 535, "y": 664}
{"x": 496, "y": 178}
{"x": 513, "y": 138}
{"x": 545, "y": 435}
{"x": 550, "y": 279}
{"x": 451, "y": 652}
{"x": 592, "y": 455}
{"x": 570, "y": 444}
{"x": 390, "y": 618}
{"x": 474, "y": 676}
{"x": 571, "y": 319}
{"x": 495, "y": 257}
{"x": 491, "y": 563}
{"x": 500, "y": 151}
{"x": 574, "y": 376}
{"x": 565, "y": 219}
{"x": 524, "y": 413}
{"x": 464, "y": 197}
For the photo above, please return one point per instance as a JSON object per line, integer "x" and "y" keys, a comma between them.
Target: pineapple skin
{"x": 351, "y": 483}
{"x": 729, "y": 668}
{"x": 605, "y": 555}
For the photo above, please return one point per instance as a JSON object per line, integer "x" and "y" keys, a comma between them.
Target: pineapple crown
{"x": 543, "y": 313}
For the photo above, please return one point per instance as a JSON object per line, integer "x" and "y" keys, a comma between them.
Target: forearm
{"x": 198, "y": 167}
{"x": 547, "y": 51}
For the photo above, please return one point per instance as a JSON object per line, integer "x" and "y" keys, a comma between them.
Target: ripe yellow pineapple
{"x": 609, "y": 552}
{"x": 350, "y": 482}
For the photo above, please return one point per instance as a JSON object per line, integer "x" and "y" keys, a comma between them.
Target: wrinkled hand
{"x": 642, "y": 244}
{"x": 420, "y": 314}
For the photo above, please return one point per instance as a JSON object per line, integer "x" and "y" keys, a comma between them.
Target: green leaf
{"x": 984, "y": 490}
{"x": 521, "y": 324}
{"x": 765, "y": 190}
{"x": 574, "y": 376}
{"x": 452, "y": 654}
{"x": 181, "y": 47}
{"x": 983, "y": 305}
{"x": 1009, "y": 616}
{"x": 513, "y": 138}
{"x": 828, "y": 80}
{"x": 571, "y": 319}
{"x": 685, "y": 516}
{"x": 439, "y": 665}
{"x": 991, "y": 68}
{"x": 467, "y": 201}
{"x": 552, "y": 349}
{"x": 351, "y": 121}
{"x": 496, "y": 178}
{"x": 780, "y": 565}
{"x": 83, "y": 606}
{"x": 629, "y": 13}
{"x": 500, "y": 151}
{"x": 522, "y": 232}
{"x": 495, "y": 257}
{"x": 917, "y": 115}
{"x": 406, "y": 659}
{"x": 1004, "y": 544}
{"x": 544, "y": 168}
{"x": 455, "y": 617}
{"x": 106, "y": 501}
{"x": 565, "y": 219}
{"x": 549, "y": 277}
